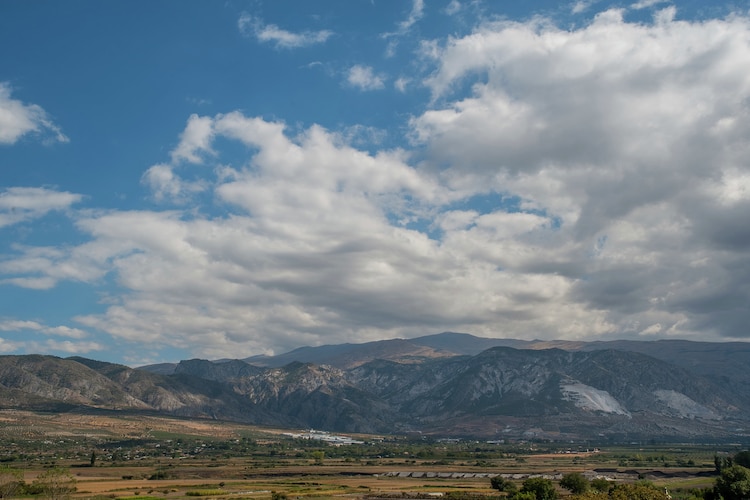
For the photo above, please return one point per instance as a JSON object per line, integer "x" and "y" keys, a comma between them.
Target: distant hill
{"x": 351, "y": 355}
{"x": 727, "y": 361}
{"x": 448, "y": 384}
{"x": 463, "y": 343}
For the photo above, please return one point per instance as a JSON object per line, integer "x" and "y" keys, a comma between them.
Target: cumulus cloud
{"x": 364, "y": 78}
{"x": 65, "y": 346}
{"x": 43, "y": 267}
{"x": 18, "y": 119}
{"x": 309, "y": 211}
{"x": 12, "y": 325}
{"x": 19, "y": 204}
{"x": 280, "y": 38}
{"x": 194, "y": 147}
{"x": 66, "y": 331}
{"x": 7, "y": 346}
{"x": 165, "y": 185}
{"x": 194, "y": 140}
{"x": 363, "y": 136}
{"x": 313, "y": 251}
{"x": 626, "y": 133}
{"x": 590, "y": 183}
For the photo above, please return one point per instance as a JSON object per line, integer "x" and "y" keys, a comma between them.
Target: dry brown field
{"x": 225, "y": 476}
{"x": 238, "y": 478}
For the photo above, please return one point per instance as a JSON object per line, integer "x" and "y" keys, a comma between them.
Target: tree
{"x": 542, "y": 488}
{"x": 56, "y": 483}
{"x": 722, "y": 463}
{"x": 518, "y": 495}
{"x": 318, "y": 456}
{"x": 575, "y": 483}
{"x": 733, "y": 483}
{"x": 743, "y": 458}
{"x": 638, "y": 491}
{"x": 600, "y": 484}
{"x": 502, "y": 484}
{"x": 10, "y": 481}
{"x": 589, "y": 495}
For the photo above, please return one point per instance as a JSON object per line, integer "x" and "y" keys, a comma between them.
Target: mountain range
{"x": 448, "y": 384}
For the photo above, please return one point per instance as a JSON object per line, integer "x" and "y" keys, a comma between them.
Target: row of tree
{"x": 539, "y": 488}
{"x": 732, "y": 483}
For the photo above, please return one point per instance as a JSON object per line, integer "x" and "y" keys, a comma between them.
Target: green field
{"x": 162, "y": 458}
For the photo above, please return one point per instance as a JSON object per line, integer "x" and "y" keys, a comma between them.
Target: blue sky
{"x": 200, "y": 179}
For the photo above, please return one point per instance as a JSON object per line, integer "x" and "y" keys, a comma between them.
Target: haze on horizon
{"x": 195, "y": 179}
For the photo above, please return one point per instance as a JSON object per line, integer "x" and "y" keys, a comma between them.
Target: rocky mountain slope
{"x": 448, "y": 385}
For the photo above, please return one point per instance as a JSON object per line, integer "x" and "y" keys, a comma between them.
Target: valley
{"x": 143, "y": 457}
{"x": 438, "y": 416}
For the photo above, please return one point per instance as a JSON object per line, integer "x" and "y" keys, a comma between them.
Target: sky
{"x": 190, "y": 179}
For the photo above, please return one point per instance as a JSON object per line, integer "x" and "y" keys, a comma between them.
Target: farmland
{"x": 114, "y": 455}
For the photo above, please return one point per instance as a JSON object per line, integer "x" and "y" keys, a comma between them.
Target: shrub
{"x": 575, "y": 483}
{"x": 542, "y": 488}
{"x": 204, "y": 493}
{"x": 11, "y": 481}
{"x": 56, "y": 483}
{"x": 600, "y": 484}
{"x": 733, "y": 483}
{"x": 502, "y": 484}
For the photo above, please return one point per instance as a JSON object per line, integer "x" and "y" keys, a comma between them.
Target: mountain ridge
{"x": 448, "y": 384}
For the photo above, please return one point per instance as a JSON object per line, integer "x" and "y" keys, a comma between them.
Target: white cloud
{"x": 196, "y": 139}
{"x": 7, "y": 346}
{"x": 43, "y": 283}
{"x": 403, "y": 27}
{"x": 10, "y": 325}
{"x": 364, "y": 78}
{"x": 453, "y": 7}
{"x": 66, "y": 331}
{"x": 360, "y": 135}
{"x": 42, "y": 268}
{"x": 167, "y": 186}
{"x": 309, "y": 211}
{"x": 416, "y": 13}
{"x": 623, "y": 131}
{"x": 75, "y": 347}
{"x": 665, "y": 16}
{"x": 644, "y": 4}
{"x": 194, "y": 147}
{"x": 282, "y": 39}
{"x": 66, "y": 346}
{"x": 314, "y": 255}
{"x": 18, "y": 119}
{"x": 401, "y": 84}
{"x": 564, "y": 183}
{"x": 582, "y": 6}
{"x": 19, "y": 204}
